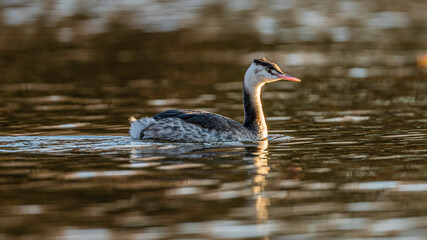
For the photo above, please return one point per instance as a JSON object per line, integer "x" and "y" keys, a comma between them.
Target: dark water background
{"x": 354, "y": 166}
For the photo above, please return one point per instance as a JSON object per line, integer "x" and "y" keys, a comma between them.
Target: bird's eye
{"x": 268, "y": 70}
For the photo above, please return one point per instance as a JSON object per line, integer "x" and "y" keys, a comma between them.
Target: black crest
{"x": 270, "y": 65}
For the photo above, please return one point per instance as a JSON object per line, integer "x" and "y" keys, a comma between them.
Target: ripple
{"x": 26, "y": 209}
{"x": 89, "y": 174}
{"x": 415, "y": 187}
{"x": 397, "y": 224}
{"x": 238, "y": 230}
{"x": 405, "y": 135}
{"x": 380, "y": 185}
{"x": 385, "y": 185}
{"x": 68, "y": 125}
{"x": 183, "y": 191}
{"x": 66, "y": 143}
{"x": 278, "y": 118}
{"x": 180, "y": 166}
{"x": 342, "y": 119}
{"x": 87, "y": 233}
{"x": 140, "y": 165}
{"x": 278, "y": 138}
{"x": 369, "y": 206}
{"x": 340, "y": 143}
{"x": 222, "y": 195}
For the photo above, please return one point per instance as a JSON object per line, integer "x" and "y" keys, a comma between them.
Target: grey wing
{"x": 203, "y": 119}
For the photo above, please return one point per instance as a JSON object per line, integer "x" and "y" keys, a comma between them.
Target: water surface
{"x": 347, "y": 150}
{"x": 354, "y": 167}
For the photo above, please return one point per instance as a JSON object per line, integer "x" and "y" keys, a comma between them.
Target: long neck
{"x": 254, "y": 116}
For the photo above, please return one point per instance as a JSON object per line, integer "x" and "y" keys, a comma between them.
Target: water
{"x": 347, "y": 149}
{"x": 309, "y": 188}
{"x": 354, "y": 165}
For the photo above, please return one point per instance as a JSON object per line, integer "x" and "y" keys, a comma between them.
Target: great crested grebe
{"x": 183, "y": 125}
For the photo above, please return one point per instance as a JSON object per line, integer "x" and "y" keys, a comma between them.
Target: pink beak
{"x": 288, "y": 77}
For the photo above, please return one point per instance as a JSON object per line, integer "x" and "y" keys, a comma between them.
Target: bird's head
{"x": 263, "y": 71}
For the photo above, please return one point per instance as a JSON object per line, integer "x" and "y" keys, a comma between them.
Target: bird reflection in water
{"x": 262, "y": 169}
{"x": 246, "y": 162}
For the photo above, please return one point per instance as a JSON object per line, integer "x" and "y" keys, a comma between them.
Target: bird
{"x": 185, "y": 125}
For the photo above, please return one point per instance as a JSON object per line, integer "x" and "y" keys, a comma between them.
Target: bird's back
{"x": 206, "y": 120}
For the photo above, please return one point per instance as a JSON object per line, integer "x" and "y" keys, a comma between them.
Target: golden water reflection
{"x": 262, "y": 169}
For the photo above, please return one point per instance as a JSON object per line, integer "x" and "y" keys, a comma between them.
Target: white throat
{"x": 254, "y": 115}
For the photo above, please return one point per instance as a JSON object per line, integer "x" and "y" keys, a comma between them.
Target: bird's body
{"x": 199, "y": 126}
{"x": 185, "y": 125}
